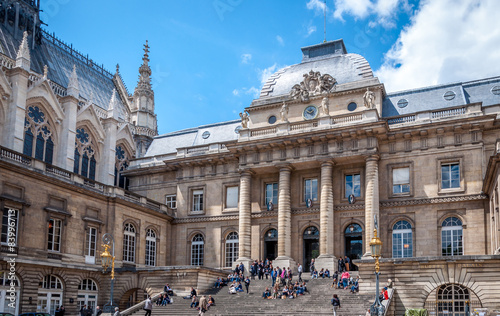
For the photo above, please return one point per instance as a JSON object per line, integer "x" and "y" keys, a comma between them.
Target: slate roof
{"x": 439, "y": 97}
{"x": 60, "y": 59}
{"x": 192, "y": 137}
{"x": 327, "y": 58}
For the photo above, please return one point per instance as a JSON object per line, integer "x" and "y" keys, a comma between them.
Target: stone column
{"x": 371, "y": 199}
{"x": 326, "y": 259}
{"x": 244, "y": 223}
{"x": 284, "y": 220}
{"x": 244, "y": 215}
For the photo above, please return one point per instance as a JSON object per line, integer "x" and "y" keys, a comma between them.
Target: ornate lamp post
{"x": 377, "y": 309}
{"x": 108, "y": 260}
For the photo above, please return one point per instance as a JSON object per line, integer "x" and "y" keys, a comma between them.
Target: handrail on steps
{"x": 140, "y": 305}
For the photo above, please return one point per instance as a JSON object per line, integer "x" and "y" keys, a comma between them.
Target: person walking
{"x": 247, "y": 283}
{"x": 98, "y": 311}
{"x": 311, "y": 267}
{"x": 299, "y": 270}
{"x": 203, "y": 305}
{"x": 117, "y": 312}
{"x": 148, "y": 306}
{"x": 336, "y": 304}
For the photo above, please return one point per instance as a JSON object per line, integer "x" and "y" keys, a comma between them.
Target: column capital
{"x": 374, "y": 157}
{"x": 246, "y": 172}
{"x": 284, "y": 166}
{"x": 325, "y": 162}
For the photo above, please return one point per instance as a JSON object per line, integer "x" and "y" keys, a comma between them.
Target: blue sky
{"x": 209, "y": 57}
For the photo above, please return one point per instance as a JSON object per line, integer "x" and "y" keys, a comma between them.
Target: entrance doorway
{"x": 353, "y": 243}
{"x": 311, "y": 246}
{"x": 271, "y": 244}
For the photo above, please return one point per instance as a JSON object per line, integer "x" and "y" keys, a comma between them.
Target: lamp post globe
{"x": 377, "y": 309}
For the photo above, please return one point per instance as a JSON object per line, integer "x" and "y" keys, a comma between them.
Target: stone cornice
{"x": 438, "y": 200}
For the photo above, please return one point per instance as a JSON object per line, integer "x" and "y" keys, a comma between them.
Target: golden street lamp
{"x": 108, "y": 260}
{"x": 377, "y": 309}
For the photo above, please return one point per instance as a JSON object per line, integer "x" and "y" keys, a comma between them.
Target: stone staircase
{"x": 316, "y": 302}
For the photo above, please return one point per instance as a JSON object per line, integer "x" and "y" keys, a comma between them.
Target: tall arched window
{"x": 121, "y": 164}
{"x": 129, "y": 243}
{"x": 232, "y": 248}
{"x": 50, "y": 293}
{"x": 451, "y": 237}
{"x": 85, "y": 163}
{"x": 402, "y": 240}
{"x": 197, "y": 250}
{"x": 150, "y": 248}
{"x": 87, "y": 294}
{"x": 37, "y": 135}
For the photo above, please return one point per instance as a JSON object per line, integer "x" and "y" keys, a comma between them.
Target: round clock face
{"x": 310, "y": 112}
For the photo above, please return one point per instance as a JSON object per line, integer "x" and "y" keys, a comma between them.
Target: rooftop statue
{"x": 314, "y": 84}
{"x": 369, "y": 99}
{"x": 284, "y": 112}
{"x": 325, "y": 106}
{"x": 244, "y": 119}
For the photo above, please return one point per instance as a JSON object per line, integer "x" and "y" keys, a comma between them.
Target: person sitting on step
{"x": 239, "y": 287}
{"x": 211, "y": 301}
{"x": 321, "y": 273}
{"x": 355, "y": 286}
{"x": 314, "y": 274}
{"x": 266, "y": 294}
{"x": 335, "y": 279}
{"x": 327, "y": 273}
{"x": 194, "y": 302}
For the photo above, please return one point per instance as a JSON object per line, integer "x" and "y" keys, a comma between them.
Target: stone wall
{"x": 417, "y": 279}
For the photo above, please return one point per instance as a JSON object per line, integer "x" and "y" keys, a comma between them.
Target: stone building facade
{"x": 320, "y": 159}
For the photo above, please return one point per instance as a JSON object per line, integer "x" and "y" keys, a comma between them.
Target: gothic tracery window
{"x": 85, "y": 162}
{"x": 121, "y": 164}
{"x": 38, "y": 135}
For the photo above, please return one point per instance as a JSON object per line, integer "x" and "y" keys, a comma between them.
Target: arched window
{"x": 85, "y": 163}
{"x": 451, "y": 300}
{"x": 197, "y": 249}
{"x": 7, "y": 282}
{"x": 121, "y": 164}
{"x": 451, "y": 237}
{"x": 150, "y": 248}
{"x": 37, "y": 135}
{"x": 87, "y": 294}
{"x": 402, "y": 240}
{"x": 129, "y": 243}
{"x": 232, "y": 248}
{"x": 50, "y": 294}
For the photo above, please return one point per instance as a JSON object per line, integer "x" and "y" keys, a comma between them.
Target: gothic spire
{"x": 145, "y": 71}
{"x": 23, "y": 59}
{"x": 73, "y": 86}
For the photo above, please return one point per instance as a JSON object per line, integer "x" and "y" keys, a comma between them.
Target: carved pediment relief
{"x": 314, "y": 84}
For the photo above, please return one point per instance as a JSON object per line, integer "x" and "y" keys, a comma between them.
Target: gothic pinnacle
{"x": 23, "y": 58}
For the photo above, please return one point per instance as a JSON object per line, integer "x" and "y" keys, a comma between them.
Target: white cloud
{"x": 357, "y": 8}
{"x": 280, "y": 40}
{"x": 316, "y": 5}
{"x": 447, "y": 41}
{"x": 245, "y": 58}
{"x": 383, "y": 12}
{"x": 310, "y": 29}
{"x": 252, "y": 90}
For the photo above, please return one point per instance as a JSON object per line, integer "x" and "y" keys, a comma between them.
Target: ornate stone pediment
{"x": 314, "y": 84}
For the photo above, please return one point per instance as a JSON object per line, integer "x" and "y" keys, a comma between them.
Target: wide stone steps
{"x": 317, "y": 302}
